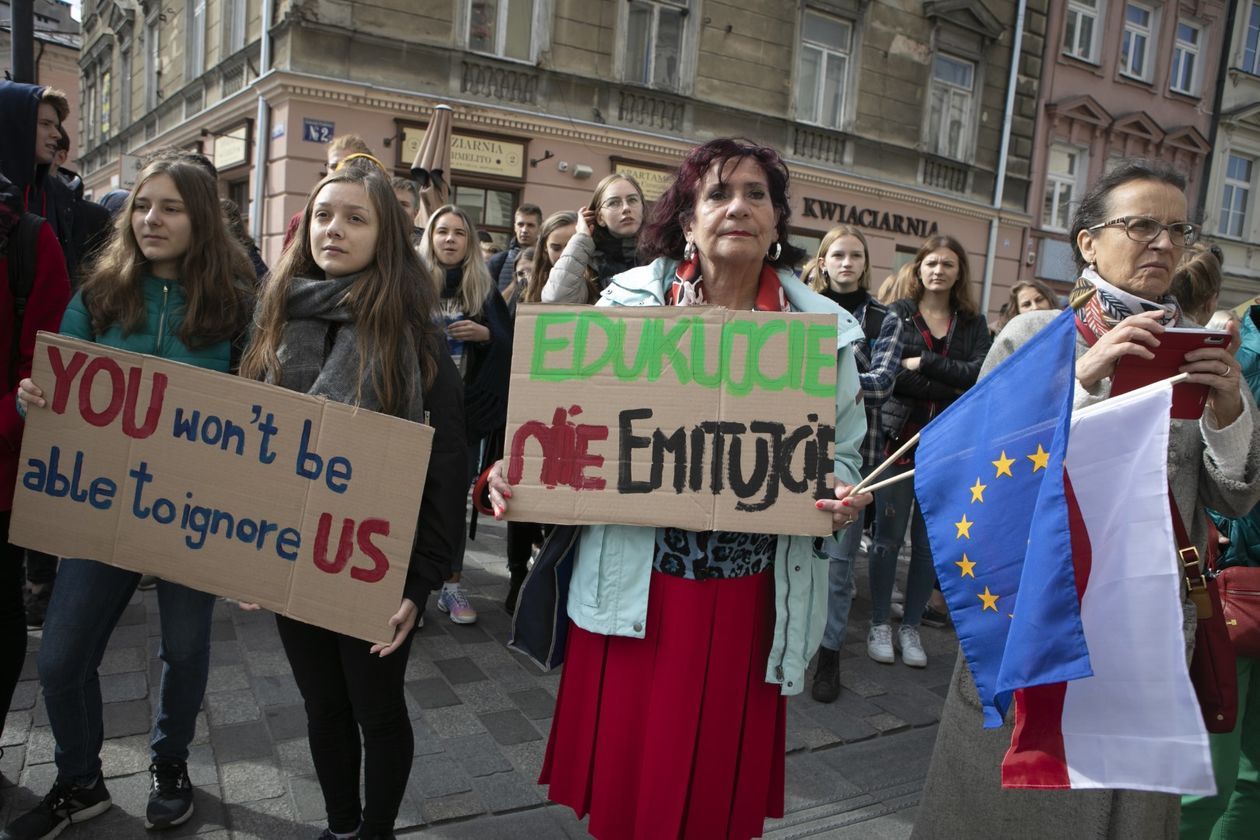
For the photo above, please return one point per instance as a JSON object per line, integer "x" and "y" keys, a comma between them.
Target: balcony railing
{"x": 501, "y": 83}
{"x": 949, "y": 175}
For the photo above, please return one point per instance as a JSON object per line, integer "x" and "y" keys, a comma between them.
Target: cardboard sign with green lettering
{"x": 305, "y": 506}
{"x": 700, "y": 418}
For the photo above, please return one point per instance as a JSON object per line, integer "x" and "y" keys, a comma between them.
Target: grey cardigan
{"x": 1218, "y": 468}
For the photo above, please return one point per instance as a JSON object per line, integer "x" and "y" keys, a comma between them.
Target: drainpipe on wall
{"x": 1222, "y": 73}
{"x": 999, "y": 187}
{"x": 262, "y": 128}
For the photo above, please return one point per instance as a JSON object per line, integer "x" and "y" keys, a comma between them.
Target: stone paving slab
{"x": 481, "y": 714}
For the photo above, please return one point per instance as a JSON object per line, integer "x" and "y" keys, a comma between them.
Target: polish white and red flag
{"x": 1135, "y": 724}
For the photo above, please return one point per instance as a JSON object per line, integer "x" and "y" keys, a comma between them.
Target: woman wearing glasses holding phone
{"x": 1128, "y": 236}
{"x": 605, "y": 244}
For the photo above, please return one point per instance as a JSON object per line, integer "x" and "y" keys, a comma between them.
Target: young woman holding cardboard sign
{"x": 348, "y": 314}
{"x": 171, "y": 283}
{"x": 671, "y": 716}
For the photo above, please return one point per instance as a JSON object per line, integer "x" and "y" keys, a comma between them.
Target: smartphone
{"x": 1133, "y": 372}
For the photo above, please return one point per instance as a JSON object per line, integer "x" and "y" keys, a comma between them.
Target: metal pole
{"x": 262, "y": 129}
{"x": 999, "y": 187}
{"x": 22, "y": 40}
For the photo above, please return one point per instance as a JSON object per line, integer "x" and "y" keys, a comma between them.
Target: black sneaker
{"x": 65, "y": 805}
{"x": 933, "y": 618}
{"x": 36, "y": 605}
{"x": 170, "y": 797}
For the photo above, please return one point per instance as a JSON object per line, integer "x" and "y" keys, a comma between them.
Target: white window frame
{"x": 1229, "y": 189}
{"x": 1183, "y": 51}
{"x": 829, "y": 53}
{"x": 1056, "y": 180}
{"x": 687, "y": 46}
{"x": 937, "y": 144}
{"x": 1251, "y": 40}
{"x": 1076, "y": 9}
{"x": 124, "y": 79}
{"x": 539, "y": 35}
{"x": 1133, "y": 30}
{"x": 234, "y": 12}
{"x": 195, "y": 35}
{"x": 152, "y": 62}
{"x": 90, "y": 128}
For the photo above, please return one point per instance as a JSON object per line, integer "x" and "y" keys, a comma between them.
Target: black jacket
{"x": 920, "y": 395}
{"x": 440, "y": 525}
{"x": 497, "y": 262}
{"x": 80, "y": 225}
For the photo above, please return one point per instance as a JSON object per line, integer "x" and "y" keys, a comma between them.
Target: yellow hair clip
{"x": 363, "y": 155}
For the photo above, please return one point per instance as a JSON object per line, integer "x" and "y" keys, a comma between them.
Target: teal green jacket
{"x": 159, "y": 336}
{"x": 608, "y": 593}
{"x": 1244, "y": 531}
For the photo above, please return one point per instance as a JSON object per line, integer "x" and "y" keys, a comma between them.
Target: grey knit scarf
{"x": 309, "y": 365}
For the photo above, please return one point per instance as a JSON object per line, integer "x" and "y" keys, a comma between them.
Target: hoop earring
{"x": 689, "y": 251}
{"x": 775, "y": 250}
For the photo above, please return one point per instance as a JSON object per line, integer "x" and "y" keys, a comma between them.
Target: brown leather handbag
{"x": 1213, "y": 671}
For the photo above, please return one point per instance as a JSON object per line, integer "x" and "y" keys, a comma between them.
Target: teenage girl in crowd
{"x": 557, "y": 231}
{"x": 349, "y": 315}
{"x": 479, "y": 336}
{"x": 606, "y": 242}
{"x": 945, "y": 341}
{"x": 172, "y": 283}
{"x": 842, "y": 273}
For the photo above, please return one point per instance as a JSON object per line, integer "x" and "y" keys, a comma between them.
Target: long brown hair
{"x": 392, "y": 301}
{"x": 542, "y": 259}
{"x": 960, "y": 293}
{"x": 216, "y": 274}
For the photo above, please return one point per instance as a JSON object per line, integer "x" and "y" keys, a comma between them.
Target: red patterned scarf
{"x": 688, "y": 288}
{"x": 1100, "y": 306}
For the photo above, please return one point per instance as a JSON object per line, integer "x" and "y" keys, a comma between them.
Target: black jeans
{"x": 521, "y": 537}
{"x": 41, "y": 568}
{"x": 12, "y": 617}
{"x": 346, "y": 689}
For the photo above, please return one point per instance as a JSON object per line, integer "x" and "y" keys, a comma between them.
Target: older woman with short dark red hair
{"x": 670, "y": 720}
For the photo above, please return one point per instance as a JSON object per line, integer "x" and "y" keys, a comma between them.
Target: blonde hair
{"x": 392, "y": 305}
{"x": 815, "y": 275}
{"x": 349, "y": 143}
{"x": 897, "y": 286}
{"x": 477, "y": 284}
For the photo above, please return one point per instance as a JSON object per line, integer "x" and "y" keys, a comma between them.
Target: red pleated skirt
{"x": 676, "y": 735}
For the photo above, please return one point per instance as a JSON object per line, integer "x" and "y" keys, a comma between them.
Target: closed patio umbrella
{"x": 432, "y": 166}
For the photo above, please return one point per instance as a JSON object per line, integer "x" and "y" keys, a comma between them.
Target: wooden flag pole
{"x": 865, "y": 486}
{"x": 888, "y": 481}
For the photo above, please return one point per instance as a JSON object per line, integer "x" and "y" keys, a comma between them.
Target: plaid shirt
{"x": 878, "y": 363}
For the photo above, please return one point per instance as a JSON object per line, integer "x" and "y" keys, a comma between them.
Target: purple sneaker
{"x": 453, "y": 600}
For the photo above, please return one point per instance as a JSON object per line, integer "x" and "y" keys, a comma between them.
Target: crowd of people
{"x": 671, "y": 714}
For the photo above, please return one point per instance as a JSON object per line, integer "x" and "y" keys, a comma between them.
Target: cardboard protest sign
{"x": 305, "y": 506}
{"x": 700, "y": 418}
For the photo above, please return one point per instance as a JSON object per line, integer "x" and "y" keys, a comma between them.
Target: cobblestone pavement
{"x": 481, "y": 715}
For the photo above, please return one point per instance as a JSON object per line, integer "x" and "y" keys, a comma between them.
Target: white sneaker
{"x": 911, "y": 648}
{"x": 879, "y": 643}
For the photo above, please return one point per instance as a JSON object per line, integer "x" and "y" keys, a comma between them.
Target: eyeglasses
{"x": 523, "y": 274}
{"x": 616, "y": 201}
{"x": 1145, "y": 229}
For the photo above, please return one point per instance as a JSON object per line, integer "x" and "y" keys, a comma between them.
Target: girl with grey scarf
{"x": 348, "y": 315}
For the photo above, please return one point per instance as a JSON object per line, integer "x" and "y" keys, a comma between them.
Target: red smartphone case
{"x": 1133, "y": 372}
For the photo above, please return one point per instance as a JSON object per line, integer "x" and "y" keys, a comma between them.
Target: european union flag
{"x": 989, "y": 480}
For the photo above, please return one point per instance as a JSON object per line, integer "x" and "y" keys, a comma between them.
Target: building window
{"x": 654, "y": 42}
{"x": 490, "y": 209}
{"x": 1185, "y": 63}
{"x": 152, "y": 64}
{"x": 106, "y": 92}
{"x": 234, "y": 25}
{"x": 1135, "y": 43}
{"x": 1065, "y": 169}
{"x": 196, "y": 61}
{"x": 949, "y": 115}
{"x": 502, "y": 27}
{"x": 89, "y": 107}
{"x": 1080, "y": 35}
{"x": 1251, "y": 42}
{"x": 1235, "y": 196}
{"x": 824, "y": 69}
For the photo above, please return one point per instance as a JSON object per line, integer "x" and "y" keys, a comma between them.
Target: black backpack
{"x": 22, "y": 256}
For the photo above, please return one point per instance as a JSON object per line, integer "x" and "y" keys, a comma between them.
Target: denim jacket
{"x": 609, "y": 590}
